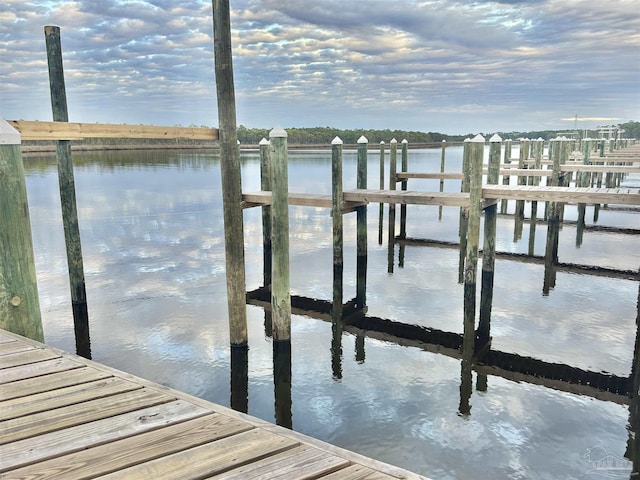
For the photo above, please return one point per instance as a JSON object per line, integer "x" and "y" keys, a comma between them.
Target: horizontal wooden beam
{"x": 31, "y": 130}
{"x": 258, "y": 199}
{"x": 407, "y": 197}
{"x": 600, "y": 168}
{"x": 616, "y": 196}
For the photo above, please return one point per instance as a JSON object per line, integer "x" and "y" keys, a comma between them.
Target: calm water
{"x": 151, "y": 227}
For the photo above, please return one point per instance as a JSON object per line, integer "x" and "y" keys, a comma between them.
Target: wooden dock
{"x": 357, "y": 197}
{"x": 65, "y": 417}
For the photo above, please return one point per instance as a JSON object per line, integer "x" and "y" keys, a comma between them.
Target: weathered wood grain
{"x": 30, "y": 386}
{"x": 31, "y": 130}
{"x": 31, "y": 370}
{"x": 80, "y": 437}
{"x": 299, "y": 463}
{"x": 357, "y": 472}
{"x": 30, "y": 355}
{"x": 72, "y": 415}
{"x": 209, "y": 459}
{"x": 41, "y": 402}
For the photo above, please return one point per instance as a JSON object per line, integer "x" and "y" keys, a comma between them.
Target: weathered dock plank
{"x": 353, "y": 198}
{"x": 620, "y": 196}
{"x": 35, "y": 130}
{"x": 71, "y": 418}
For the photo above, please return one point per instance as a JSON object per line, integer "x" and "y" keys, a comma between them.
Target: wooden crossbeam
{"x": 30, "y": 130}
{"x": 616, "y": 196}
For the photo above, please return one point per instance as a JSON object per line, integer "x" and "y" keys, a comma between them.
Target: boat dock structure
{"x": 66, "y": 416}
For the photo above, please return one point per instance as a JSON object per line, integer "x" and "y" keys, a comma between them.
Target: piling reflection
{"x": 240, "y": 378}
{"x": 633, "y": 444}
{"x": 282, "y": 383}
{"x": 483, "y": 360}
{"x": 81, "y": 329}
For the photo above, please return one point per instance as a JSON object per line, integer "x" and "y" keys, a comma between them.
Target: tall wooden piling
{"x": 381, "y": 209}
{"x": 19, "y": 304}
{"x": 464, "y": 212}
{"x": 393, "y": 158}
{"x": 404, "y": 166}
{"x": 338, "y": 233}
{"x": 361, "y": 227}
{"x": 553, "y": 220}
{"x": 583, "y": 181}
{"x": 489, "y": 247}
{"x": 522, "y": 180}
{"x": 476, "y": 153}
{"x": 538, "y": 151}
{"x": 442, "y": 167}
{"x": 230, "y": 173}
{"x": 280, "y": 287}
{"x": 265, "y": 185}
{"x": 505, "y": 178}
{"x": 403, "y": 186}
{"x": 68, "y": 194}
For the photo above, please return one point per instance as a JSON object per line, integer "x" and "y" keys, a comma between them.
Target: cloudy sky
{"x": 447, "y": 66}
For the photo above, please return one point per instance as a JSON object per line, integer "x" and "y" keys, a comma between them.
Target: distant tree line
{"x": 324, "y": 135}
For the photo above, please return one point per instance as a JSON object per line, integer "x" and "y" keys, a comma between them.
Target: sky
{"x": 454, "y": 67}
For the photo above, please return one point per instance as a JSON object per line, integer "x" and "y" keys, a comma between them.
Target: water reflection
{"x": 155, "y": 279}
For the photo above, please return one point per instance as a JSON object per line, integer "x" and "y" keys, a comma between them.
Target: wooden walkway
{"x": 65, "y": 417}
{"x": 355, "y": 198}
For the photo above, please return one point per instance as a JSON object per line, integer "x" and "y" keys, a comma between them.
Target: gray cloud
{"x": 427, "y": 65}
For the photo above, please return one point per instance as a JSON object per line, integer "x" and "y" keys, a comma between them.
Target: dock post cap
{"x": 495, "y": 138}
{"x": 393, "y": 140}
{"x": 381, "y": 142}
{"x": 540, "y": 139}
{"x": 264, "y": 141}
{"x": 336, "y": 141}
{"x": 478, "y": 138}
{"x": 8, "y": 134}
{"x": 363, "y": 139}
{"x": 278, "y": 132}
{"x": 444, "y": 141}
{"x": 405, "y": 141}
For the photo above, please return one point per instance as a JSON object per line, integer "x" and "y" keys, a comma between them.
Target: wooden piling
{"x": 265, "y": 185}
{"x": 505, "y": 178}
{"x": 230, "y": 173}
{"x": 464, "y": 212}
{"x": 442, "y": 167}
{"x": 476, "y": 153}
{"x": 393, "y": 158}
{"x": 583, "y": 182}
{"x": 381, "y": 211}
{"x": 403, "y": 207}
{"x": 19, "y": 304}
{"x": 267, "y": 266}
{"x": 280, "y": 288}
{"x": 489, "y": 248}
{"x": 538, "y": 151}
{"x": 337, "y": 201}
{"x": 522, "y": 180}
{"x": 403, "y": 186}
{"x": 68, "y": 194}
{"x": 553, "y": 220}
{"x": 361, "y": 227}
